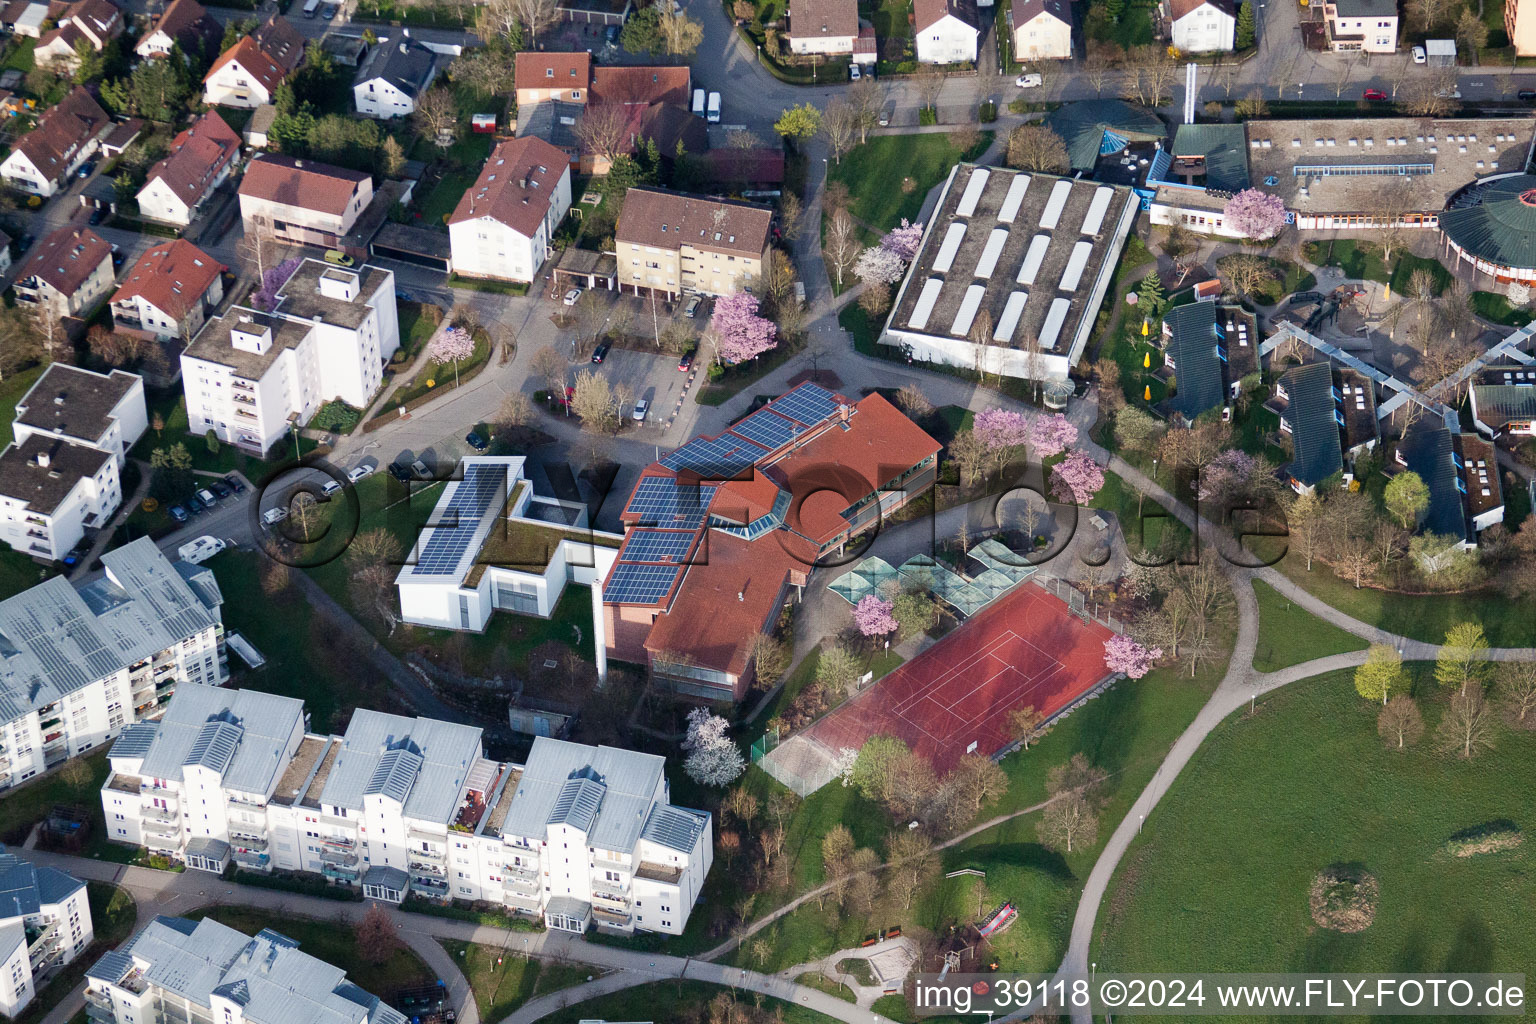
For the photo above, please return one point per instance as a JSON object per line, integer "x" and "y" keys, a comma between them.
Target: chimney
{"x": 741, "y": 595}
{"x": 42, "y": 460}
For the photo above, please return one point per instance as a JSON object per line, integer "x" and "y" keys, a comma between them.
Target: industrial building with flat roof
{"x": 1011, "y": 273}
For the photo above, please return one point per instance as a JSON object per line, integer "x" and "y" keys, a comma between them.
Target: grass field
{"x": 681, "y": 1000}
{"x": 14, "y": 387}
{"x": 877, "y": 174}
{"x": 1219, "y": 879}
{"x": 1495, "y": 307}
{"x": 28, "y": 804}
{"x": 1363, "y": 260}
{"x": 1289, "y": 636}
{"x": 500, "y": 989}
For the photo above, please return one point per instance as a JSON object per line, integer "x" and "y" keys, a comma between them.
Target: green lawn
{"x": 889, "y": 17}
{"x": 1219, "y": 879}
{"x": 1289, "y": 635}
{"x": 441, "y": 376}
{"x": 502, "y": 987}
{"x": 333, "y": 943}
{"x": 1495, "y": 307}
{"x": 890, "y": 175}
{"x": 30, "y": 803}
{"x": 1419, "y": 616}
{"x": 680, "y": 1000}
{"x": 1145, "y": 525}
{"x": 18, "y": 57}
{"x": 437, "y": 204}
{"x": 415, "y": 331}
{"x": 171, "y": 406}
{"x": 13, "y": 388}
{"x": 112, "y": 919}
{"x": 18, "y": 572}
{"x": 1363, "y": 260}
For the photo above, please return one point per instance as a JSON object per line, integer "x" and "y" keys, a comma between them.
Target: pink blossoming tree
{"x": 1226, "y": 477}
{"x": 903, "y": 241}
{"x": 873, "y": 616}
{"x": 1000, "y": 429}
{"x": 1076, "y": 478}
{"x": 450, "y": 346}
{"x": 1049, "y": 436}
{"x": 740, "y": 333}
{"x": 1122, "y": 654}
{"x": 1255, "y": 214}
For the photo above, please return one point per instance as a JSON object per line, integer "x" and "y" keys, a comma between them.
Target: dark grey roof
{"x": 1082, "y": 126}
{"x": 73, "y": 402}
{"x": 394, "y": 775}
{"x": 43, "y": 470}
{"x": 215, "y": 746}
{"x": 400, "y": 61}
{"x": 676, "y": 828}
{"x": 1367, "y": 8}
{"x": 111, "y": 967}
{"x": 1427, "y": 451}
{"x": 1225, "y": 148}
{"x": 25, "y": 889}
{"x": 387, "y": 877}
{"x": 1198, "y": 370}
{"x": 209, "y": 847}
{"x": 1314, "y": 427}
{"x": 1501, "y": 227}
{"x": 135, "y": 740}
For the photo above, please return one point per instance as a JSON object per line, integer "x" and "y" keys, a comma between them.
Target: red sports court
{"x": 1027, "y": 648}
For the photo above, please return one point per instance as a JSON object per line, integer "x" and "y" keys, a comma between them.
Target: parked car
{"x": 1526, "y": 95}
{"x": 420, "y": 470}
{"x": 97, "y": 216}
{"x": 692, "y": 309}
{"x": 25, "y": 242}
{"x": 78, "y": 552}
{"x": 1419, "y": 56}
{"x": 221, "y": 490}
{"x": 86, "y": 169}
{"x": 854, "y": 74}
{"x": 686, "y": 363}
{"x": 201, "y": 549}
{"x": 328, "y": 11}
{"x": 330, "y": 487}
{"x": 1029, "y": 81}
{"x": 196, "y": 506}
{"x": 207, "y": 497}
{"x": 357, "y": 473}
{"x": 476, "y": 442}
{"x": 178, "y": 513}
{"x": 641, "y": 408}
{"x": 338, "y": 257}
{"x": 1375, "y": 94}
{"x": 571, "y": 296}
{"x": 233, "y": 483}
{"x": 601, "y": 352}
{"x": 886, "y": 113}
{"x": 611, "y": 34}
{"x": 273, "y": 516}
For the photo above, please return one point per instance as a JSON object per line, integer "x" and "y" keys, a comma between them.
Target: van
{"x": 275, "y": 515}
{"x": 714, "y": 108}
{"x": 698, "y": 103}
{"x": 311, "y": 8}
{"x": 693, "y": 307}
{"x": 200, "y": 550}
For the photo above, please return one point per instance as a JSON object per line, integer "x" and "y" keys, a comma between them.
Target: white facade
{"x": 89, "y": 491}
{"x": 120, "y": 429}
{"x": 1043, "y": 37}
{"x": 379, "y": 97}
{"x": 950, "y": 40}
{"x": 233, "y": 85}
{"x": 249, "y": 372}
{"x": 1206, "y": 29}
{"x": 45, "y": 922}
{"x": 159, "y": 202}
{"x": 488, "y": 247}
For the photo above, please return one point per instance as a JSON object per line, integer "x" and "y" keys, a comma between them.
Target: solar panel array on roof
{"x": 666, "y": 546}
{"x": 1094, "y": 220}
{"x": 472, "y": 498}
{"x": 710, "y": 457}
{"x": 973, "y": 190}
{"x": 1009, "y": 321}
{"x": 767, "y": 428}
{"x": 662, "y": 501}
{"x": 1050, "y": 331}
{"x": 966, "y": 314}
{"x": 926, "y": 299}
{"x": 395, "y": 773}
{"x": 632, "y": 583}
{"x": 1076, "y": 264}
{"x": 808, "y": 404}
{"x": 1033, "y": 258}
{"x": 987, "y": 265}
{"x": 1014, "y": 199}
{"x": 950, "y": 246}
{"x": 1051, "y": 215}
{"x": 215, "y": 746}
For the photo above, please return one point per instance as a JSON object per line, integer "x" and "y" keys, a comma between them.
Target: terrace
{"x": 669, "y": 874}
{"x": 290, "y": 788}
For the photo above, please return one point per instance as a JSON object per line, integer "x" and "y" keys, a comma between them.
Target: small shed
{"x": 1208, "y": 291}
{"x": 1440, "y": 52}
{"x": 256, "y": 129}
{"x": 583, "y": 268}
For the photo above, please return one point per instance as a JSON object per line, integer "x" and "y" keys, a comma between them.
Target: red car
{"x": 1375, "y": 94}
{"x": 686, "y": 363}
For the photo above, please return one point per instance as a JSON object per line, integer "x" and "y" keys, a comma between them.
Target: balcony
{"x": 415, "y": 835}
{"x": 166, "y": 815}
{"x": 339, "y": 842}
{"x": 512, "y": 884}
{"x": 246, "y": 414}
{"x": 43, "y": 946}
{"x": 337, "y": 873}
{"x": 616, "y": 904}
{"x": 36, "y": 520}
{"x": 609, "y": 917}
{"x": 258, "y": 861}
{"x": 430, "y": 886}
{"x": 613, "y": 859}
{"x": 527, "y": 871}
{"x": 100, "y": 1000}
{"x": 39, "y": 534}
{"x": 242, "y": 385}
{"x": 165, "y": 829}
{"x": 428, "y": 868}
{"x": 150, "y": 789}
{"x": 338, "y": 857}
{"x": 254, "y": 843}
{"x": 614, "y": 890}
{"x": 101, "y": 1014}
{"x": 240, "y": 801}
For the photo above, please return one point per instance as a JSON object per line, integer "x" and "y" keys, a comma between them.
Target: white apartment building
{"x": 45, "y": 922}
{"x": 251, "y": 373}
{"x": 579, "y": 835}
{"x": 204, "y": 972}
{"x": 502, "y": 226}
{"x": 103, "y": 410}
{"x": 82, "y": 664}
{"x": 1202, "y": 26}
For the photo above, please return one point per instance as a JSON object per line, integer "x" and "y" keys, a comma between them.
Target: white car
{"x": 357, "y": 473}
{"x": 854, "y": 74}
{"x": 641, "y": 408}
{"x": 207, "y": 497}
{"x": 201, "y": 549}
{"x": 1030, "y": 81}
{"x": 275, "y": 515}
{"x": 1419, "y": 56}
{"x": 571, "y": 296}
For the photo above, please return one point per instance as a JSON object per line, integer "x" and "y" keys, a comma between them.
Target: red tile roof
{"x": 66, "y": 258}
{"x": 928, "y": 13}
{"x": 268, "y": 55}
{"x": 641, "y": 85}
{"x": 187, "y": 22}
{"x": 198, "y": 155}
{"x": 302, "y": 183}
{"x": 552, "y": 71}
{"x": 171, "y": 276}
{"x": 515, "y": 185}
{"x": 822, "y": 19}
{"x": 61, "y": 130}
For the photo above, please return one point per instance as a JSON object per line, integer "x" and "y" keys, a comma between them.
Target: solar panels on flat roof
{"x": 640, "y": 584}
{"x": 767, "y": 428}
{"x": 973, "y": 190}
{"x": 1009, "y": 321}
{"x": 808, "y": 404}
{"x": 951, "y": 245}
{"x": 967, "y": 311}
{"x": 1033, "y": 258}
{"x": 923, "y": 308}
{"x": 1097, "y": 209}
{"x": 662, "y": 501}
{"x": 721, "y": 456}
{"x": 668, "y": 546}
{"x": 1014, "y": 199}
{"x": 1051, "y": 215}
{"x": 450, "y": 538}
{"x": 1076, "y": 264}
{"x": 1050, "y": 331}
{"x": 987, "y": 265}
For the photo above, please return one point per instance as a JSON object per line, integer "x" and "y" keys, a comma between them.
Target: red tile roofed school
{"x": 718, "y": 531}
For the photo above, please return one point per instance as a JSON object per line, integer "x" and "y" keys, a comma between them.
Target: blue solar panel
{"x": 455, "y": 526}
{"x": 640, "y": 584}
{"x": 808, "y": 404}
{"x": 662, "y": 501}
{"x": 656, "y": 546}
{"x": 714, "y": 457}
{"x": 766, "y": 428}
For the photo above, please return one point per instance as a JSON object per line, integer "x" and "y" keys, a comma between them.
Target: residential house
{"x": 1364, "y": 25}
{"x": 91, "y": 22}
{"x": 248, "y": 73}
{"x": 1329, "y": 415}
{"x": 1207, "y": 351}
{"x": 673, "y": 242}
{"x": 66, "y": 135}
{"x": 1503, "y": 398}
{"x": 557, "y": 90}
{"x": 92, "y": 659}
{"x": 169, "y": 292}
{"x": 823, "y": 26}
{"x": 1462, "y": 474}
{"x": 45, "y": 922}
{"x": 252, "y": 374}
{"x": 302, "y": 201}
{"x": 549, "y": 75}
{"x": 945, "y": 31}
{"x": 66, "y": 272}
{"x": 400, "y": 805}
{"x": 1520, "y": 26}
{"x": 183, "y": 23}
{"x": 1202, "y": 26}
{"x": 24, "y": 18}
{"x": 396, "y": 74}
{"x": 67, "y": 403}
{"x": 502, "y": 226}
{"x": 200, "y": 160}
{"x": 1041, "y": 29}
{"x": 208, "y": 971}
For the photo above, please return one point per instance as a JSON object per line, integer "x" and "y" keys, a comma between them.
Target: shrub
{"x": 987, "y": 113}
{"x": 479, "y": 912}
{"x": 927, "y": 116}
{"x": 306, "y": 885}
{"x": 336, "y": 416}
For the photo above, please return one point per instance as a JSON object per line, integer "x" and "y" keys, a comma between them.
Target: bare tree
{"x": 536, "y": 16}
{"x": 258, "y": 248}
{"x": 437, "y": 117}
{"x": 1467, "y": 725}
{"x": 840, "y": 125}
{"x": 866, "y": 96}
{"x": 913, "y": 402}
{"x": 594, "y": 402}
{"x": 375, "y": 936}
{"x": 1517, "y": 693}
{"x": 1068, "y": 821}
{"x": 842, "y": 244}
{"x": 929, "y": 83}
{"x": 602, "y": 129}
{"x": 1025, "y": 724}
{"x": 680, "y": 34}
{"x": 913, "y": 865}
{"x": 1102, "y": 59}
{"x": 1036, "y": 147}
{"x": 1387, "y": 206}
{"x": 1400, "y": 725}
{"x": 553, "y": 367}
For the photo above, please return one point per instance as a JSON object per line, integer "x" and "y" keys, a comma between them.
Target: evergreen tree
{"x": 1150, "y": 296}
{"x": 1115, "y": 8}
{"x": 1245, "y": 26}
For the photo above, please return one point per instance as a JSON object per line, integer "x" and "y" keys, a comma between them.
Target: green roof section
{"x": 1225, "y": 149}
{"x": 1501, "y": 228}
{"x": 1082, "y": 126}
